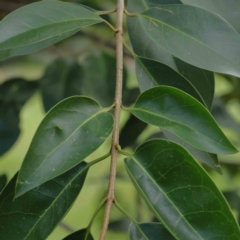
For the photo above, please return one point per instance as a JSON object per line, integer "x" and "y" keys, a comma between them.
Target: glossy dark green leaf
{"x": 181, "y": 30}
{"x": 151, "y": 73}
{"x": 79, "y": 235}
{"x": 149, "y": 231}
{"x": 180, "y": 193}
{"x": 102, "y": 76}
{"x": 179, "y": 113}
{"x": 70, "y": 132}
{"x": 35, "y": 214}
{"x": 223, "y": 118}
{"x": 13, "y": 95}
{"x": 202, "y": 80}
{"x": 229, "y": 9}
{"x": 208, "y": 158}
{"x": 63, "y": 78}
{"x": 41, "y": 24}
{"x": 3, "y": 181}
{"x": 131, "y": 131}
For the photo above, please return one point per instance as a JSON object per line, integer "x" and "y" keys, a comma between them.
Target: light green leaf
{"x": 40, "y": 25}
{"x": 180, "y": 193}
{"x": 179, "y": 113}
{"x": 228, "y": 9}
{"x": 35, "y": 214}
{"x": 80, "y": 235}
{"x": 70, "y": 132}
{"x": 181, "y": 30}
{"x": 149, "y": 231}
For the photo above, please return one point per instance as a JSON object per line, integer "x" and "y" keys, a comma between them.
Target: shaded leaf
{"x": 180, "y": 193}
{"x": 70, "y": 132}
{"x": 179, "y": 113}
{"x": 222, "y": 116}
{"x": 229, "y": 10}
{"x": 131, "y": 131}
{"x": 63, "y": 78}
{"x": 181, "y": 30}
{"x": 40, "y": 25}
{"x": 149, "y": 231}
{"x": 151, "y": 73}
{"x": 35, "y": 214}
{"x": 202, "y": 80}
{"x": 102, "y": 76}
{"x": 3, "y": 182}
{"x": 79, "y": 235}
{"x": 208, "y": 158}
{"x": 13, "y": 95}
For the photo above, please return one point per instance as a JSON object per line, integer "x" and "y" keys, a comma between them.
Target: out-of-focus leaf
{"x": 149, "y": 231}
{"x": 80, "y": 235}
{"x": 120, "y": 225}
{"x": 209, "y": 159}
{"x": 181, "y": 31}
{"x": 181, "y": 114}
{"x": 3, "y": 181}
{"x": 229, "y": 9}
{"x": 70, "y": 132}
{"x": 223, "y": 118}
{"x": 102, "y": 76}
{"x": 180, "y": 193}
{"x": 35, "y": 214}
{"x": 40, "y": 25}
{"x": 131, "y": 131}
{"x": 62, "y": 79}
{"x": 13, "y": 95}
{"x": 202, "y": 80}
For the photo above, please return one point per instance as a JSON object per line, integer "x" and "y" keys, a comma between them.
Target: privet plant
{"x": 176, "y": 47}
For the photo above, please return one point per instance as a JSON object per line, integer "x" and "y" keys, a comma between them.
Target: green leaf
{"x": 14, "y": 94}
{"x": 179, "y": 113}
{"x": 208, "y": 158}
{"x": 79, "y": 235}
{"x": 63, "y": 78}
{"x": 149, "y": 231}
{"x": 102, "y": 76}
{"x": 70, "y": 132}
{"x": 180, "y": 193}
{"x": 148, "y": 76}
{"x": 202, "y": 80}
{"x": 131, "y": 131}
{"x": 229, "y": 9}
{"x": 40, "y": 25}
{"x": 35, "y": 214}
{"x": 181, "y": 31}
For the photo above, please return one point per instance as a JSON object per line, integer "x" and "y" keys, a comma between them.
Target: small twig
{"x": 130, "y": 14}
{"x": 106, "y": 12}
{"x": 118, "y": 103}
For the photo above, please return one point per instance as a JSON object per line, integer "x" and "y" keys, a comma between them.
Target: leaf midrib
{"x": 59, "y": 195}
{"x": 181, "y": 124}
{"x": 42, "y": 26}
{"x": 189, "y": 36}
{"x": 180, "y": 214}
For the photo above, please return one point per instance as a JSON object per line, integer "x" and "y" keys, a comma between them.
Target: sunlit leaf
{"x": 70, "y": 132}
{"x": 40, "y": 25}
{"x": 35, "y": 214}
{"x": 179, "y": 113}
{"x": 180, "y": 193}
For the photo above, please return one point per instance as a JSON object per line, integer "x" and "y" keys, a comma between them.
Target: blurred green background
{"x": 61, "y": 71}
